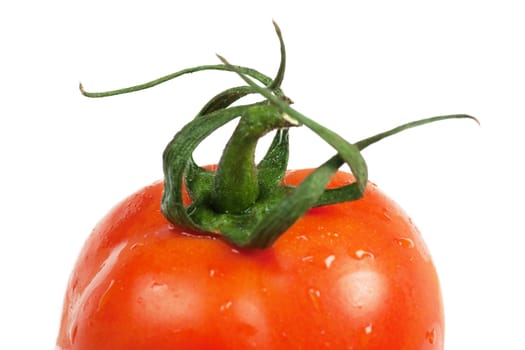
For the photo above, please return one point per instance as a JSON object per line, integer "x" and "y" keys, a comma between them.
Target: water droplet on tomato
{"x": 386, "y": 215}
{"x": 136, "y": 245}
{"x": 315, "y": 295}
{"x": 158, "y": 287}
{"x": 333, "y": 234}
{"x": 226, "y": 305}
{"x": 308, "y": 258}
{"x": 302, "y": 237}
{"x": 361, "y": 254}
{"x": 329, "y": 260}
{"x": 405, "y": 242}
{"x": 212, "y": 272}
{"x": 368, "y": 328}
{"x": 431, "y": 336}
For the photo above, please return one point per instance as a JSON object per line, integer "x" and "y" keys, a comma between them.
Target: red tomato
{"x": 354, "y": 275}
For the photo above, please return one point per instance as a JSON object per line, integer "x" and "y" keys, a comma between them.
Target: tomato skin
{"x": 354, "y": 275}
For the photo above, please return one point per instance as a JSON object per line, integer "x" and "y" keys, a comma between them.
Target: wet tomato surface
{"x": 353, "y": 275}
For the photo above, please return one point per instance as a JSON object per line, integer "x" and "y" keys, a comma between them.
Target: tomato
{"x": 252, "y": 256}
{"x": 352, "y": 275}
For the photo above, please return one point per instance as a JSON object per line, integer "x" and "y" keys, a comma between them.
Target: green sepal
{"x": 348, "y": 152}
{"x": 177, "y": 154}
{"x": 272, "y": 168}
{"x": 292, "y": 206}
{"x": 220, "y": 67}
{"x": 226, "y": 98}
{"x": 198, "y": 181}
{"x": 200, "y": 215}
{"x": 236, "y": 185}
{"x": 350, "y": 192}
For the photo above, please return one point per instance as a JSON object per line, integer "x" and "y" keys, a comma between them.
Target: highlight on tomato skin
{"x": 355, "y": 274}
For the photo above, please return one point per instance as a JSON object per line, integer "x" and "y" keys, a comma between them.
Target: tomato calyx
{"x": 242, "y": 201}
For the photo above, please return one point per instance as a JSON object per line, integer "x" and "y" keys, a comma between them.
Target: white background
{"x": 358, "y": 67}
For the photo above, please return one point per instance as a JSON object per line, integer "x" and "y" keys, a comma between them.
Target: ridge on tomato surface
{"x": 248, "y": 254}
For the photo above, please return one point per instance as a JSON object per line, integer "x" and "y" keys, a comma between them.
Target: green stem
{"x": 236, "y": 186}
{"x": 347, "y": 151}
{"x": 242, "y": 201}
{"x": 248, "y": 71}
{"x": 278, "y": 80}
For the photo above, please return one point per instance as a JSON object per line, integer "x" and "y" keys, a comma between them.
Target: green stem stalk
{"x": 236, "y": 186}
{"x": 242, "y": 201}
